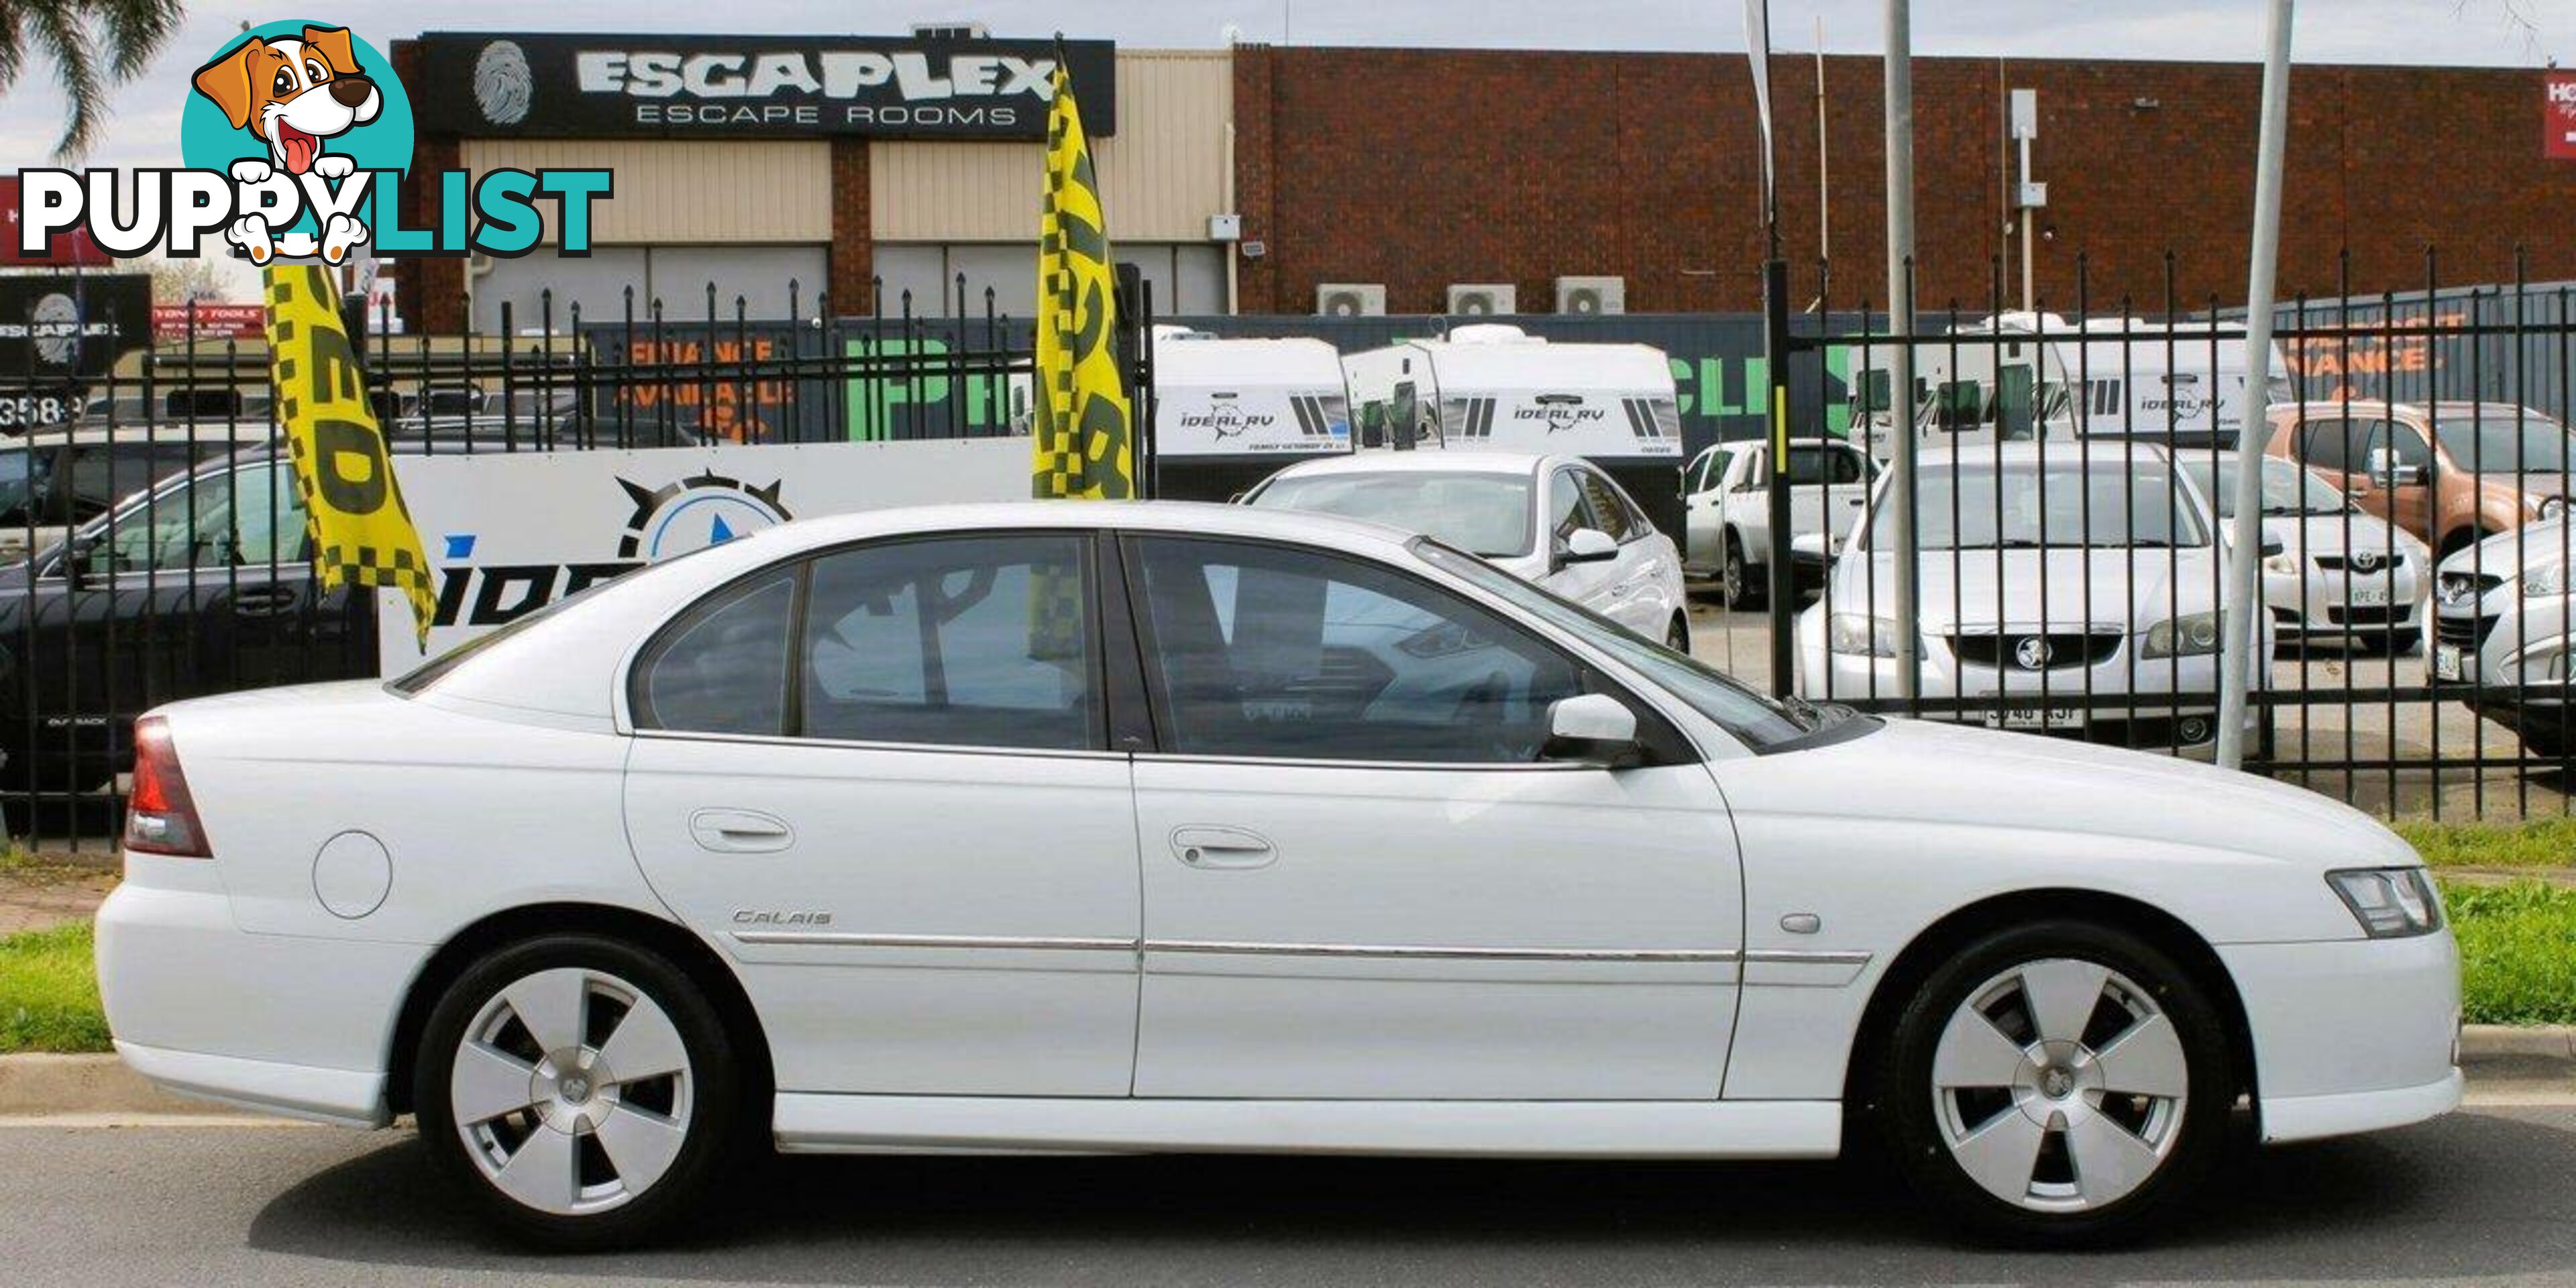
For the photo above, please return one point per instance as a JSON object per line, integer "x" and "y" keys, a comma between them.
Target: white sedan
{"x": 1151, "y": 827}
{"x": 1558, "y": 521}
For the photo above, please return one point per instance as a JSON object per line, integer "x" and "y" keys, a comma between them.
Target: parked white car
{"x": 2341, "y": 574}
{"x": 2503, "y": 629}
{"x": 1555, "y": 521}
{"x": 1727, "y": 504}
{"x": 2064, "y": 590}
{"x": 1082, "y": 827}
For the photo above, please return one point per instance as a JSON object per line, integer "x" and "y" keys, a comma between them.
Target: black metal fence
{"x": 2076, "y": 476}
{"x": 159, "y": 545}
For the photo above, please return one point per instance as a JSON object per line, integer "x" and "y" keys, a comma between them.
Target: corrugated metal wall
{"x": 686, "y": 190}
{"x": 1161, "y": 176}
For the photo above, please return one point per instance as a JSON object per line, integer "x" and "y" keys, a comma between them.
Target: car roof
{"x": 1431, "y": 460}
{"x": 2095, "y": 450}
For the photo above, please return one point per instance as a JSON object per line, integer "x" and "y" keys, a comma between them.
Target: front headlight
{"x": 2189, "y": 635}
{"x": 1861, "y": 636}
{"x": 2390, "y": 903}
{"x": 2284, "y": 563}
{"x": 2545, "y": 581}
{"x": 2552, "y": 507}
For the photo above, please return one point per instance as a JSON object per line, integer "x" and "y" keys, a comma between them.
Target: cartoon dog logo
{"x": 293, "y": 95}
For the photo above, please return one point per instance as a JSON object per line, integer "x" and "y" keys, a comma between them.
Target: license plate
{"x": 2369, "y": 596}
{"x": 2446, "y": 661}
{"x": 2034, "y": 716}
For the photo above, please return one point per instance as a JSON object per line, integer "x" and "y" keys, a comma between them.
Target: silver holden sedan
{"x": 2506, "y": 631}
{"x": 2066, "y": 588}
{"x": 2341, "y": 573}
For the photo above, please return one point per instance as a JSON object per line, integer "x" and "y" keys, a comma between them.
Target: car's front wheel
{"x": 582, "y": 1089}
{"x": 2059, "y": 1083}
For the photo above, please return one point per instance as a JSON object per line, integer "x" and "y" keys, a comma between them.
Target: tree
{"x": 95, "y": 46}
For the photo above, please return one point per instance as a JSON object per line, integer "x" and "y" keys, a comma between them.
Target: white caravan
{"x": 1233, "y": 398}
{"x": 1494, "y": 385}
{"x": 2116, "y": 377}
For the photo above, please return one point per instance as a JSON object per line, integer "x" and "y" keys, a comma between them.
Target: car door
{"x": 1634, "y": 596}
{"x": 1567, "y": 510}
{"x": 879, "y": 779}
{"x": 2338, "y": 451}
{"x": 1363, "y": 881}
{"x": 264, "y": 619}
{"x": 2411, "y": 498}
{"x": 1748, "y": 503}
{"x": 1703, "y": 514}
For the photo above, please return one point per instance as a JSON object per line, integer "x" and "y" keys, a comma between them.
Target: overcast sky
{"x": 2487, "y": 32}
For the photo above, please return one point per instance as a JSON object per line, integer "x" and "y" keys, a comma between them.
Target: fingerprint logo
{"x": 55, "y": 325}
{"x": 502, "y": 85}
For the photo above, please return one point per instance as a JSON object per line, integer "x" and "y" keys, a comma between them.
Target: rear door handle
{"x": 740, "y": 831}
{"x": 1222, "y": 847}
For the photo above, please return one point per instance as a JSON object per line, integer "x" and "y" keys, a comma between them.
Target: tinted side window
{"x": 2334, "y": 444}
{"x": 1269, "y": 651}
{"x": 971, "y": 641}
{"x": 1608, "y": 507}
{"x": 1567, "y": 509}
{"x": 2408, "y": 444}
{"x": 722, "y": 668}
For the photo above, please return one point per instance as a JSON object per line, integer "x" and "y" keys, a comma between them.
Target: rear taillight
{"x": 161, "y": 818}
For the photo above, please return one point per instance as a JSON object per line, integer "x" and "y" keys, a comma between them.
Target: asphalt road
{"x": 2483, "y": 1196}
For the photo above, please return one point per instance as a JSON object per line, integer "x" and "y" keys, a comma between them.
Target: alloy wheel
{"x": 572, "y": 1090}
{"x": 2059, "y": 1085}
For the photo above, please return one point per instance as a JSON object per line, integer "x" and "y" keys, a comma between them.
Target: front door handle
{"x": 740, "y": 831}
{"x": 263, "y": 601}
{"x": 1222, "y": 847}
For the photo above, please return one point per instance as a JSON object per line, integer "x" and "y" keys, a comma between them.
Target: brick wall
{"x": 1419, "y": 168}
{"x": 430, "y": 290}
{"x": 852, "y": 251}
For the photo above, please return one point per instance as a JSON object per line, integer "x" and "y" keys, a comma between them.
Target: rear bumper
{"x": 288, "y": 1024}
{"x": 2350, "y": 1035}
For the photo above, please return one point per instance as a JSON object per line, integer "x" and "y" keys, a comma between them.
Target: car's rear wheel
{"x": 581, "y": 1088}
{"x": 2061, "y": 1083}
{"x": 1677, "y": 635}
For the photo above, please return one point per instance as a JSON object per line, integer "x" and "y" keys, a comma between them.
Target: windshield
{"x": 2508, "y": 441}
{"x": 1757, "y": 720}
{"x": 2112, "y": 503}
{"x": 2288, "y": 489}
{"x": 1481, "y": 513}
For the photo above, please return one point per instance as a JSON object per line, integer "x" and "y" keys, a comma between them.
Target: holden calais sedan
{"x": 1158, "y": 827}
{"x": 2066, "y": 588}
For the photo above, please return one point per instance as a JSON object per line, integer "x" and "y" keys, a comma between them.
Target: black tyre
{"x": 2057, "y": 1084}
{"x": 1677, "y": 635}
{"x": 1736, "y": 580}
{"x": 582, "y": 1090}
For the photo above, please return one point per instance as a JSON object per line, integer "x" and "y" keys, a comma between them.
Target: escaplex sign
{"x": 660, "y": 86}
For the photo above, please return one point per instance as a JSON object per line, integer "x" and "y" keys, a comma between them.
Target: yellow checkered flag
{"x": 362, "y": 534}
{"x": 1082, "y": 441}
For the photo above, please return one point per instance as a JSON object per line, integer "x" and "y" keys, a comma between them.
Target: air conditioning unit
{"x": 948, "y": 31}
{"x": 1592, "y": 295}
{"x": 1482, "y": 299}
{"x": 1350, "y": 299}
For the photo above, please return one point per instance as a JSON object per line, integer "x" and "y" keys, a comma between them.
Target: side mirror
{"x": 1586, "y": 545}
{"x": 1811, "y": 548}
{"x": 1594, "y": 728}
{"x": 2388, "y": 471}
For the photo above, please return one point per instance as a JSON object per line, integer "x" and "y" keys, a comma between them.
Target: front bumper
{"x": 286, "y": 1024}
{"x": 2163, "y": 704}
{"x": 2350, "y": 1035}
{"x": 2316, "y": 603}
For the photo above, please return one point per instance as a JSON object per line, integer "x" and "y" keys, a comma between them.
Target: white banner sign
{"x": 510, "y": 532}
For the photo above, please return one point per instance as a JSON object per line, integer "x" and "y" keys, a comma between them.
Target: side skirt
{"x": 814, "y": 1123}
